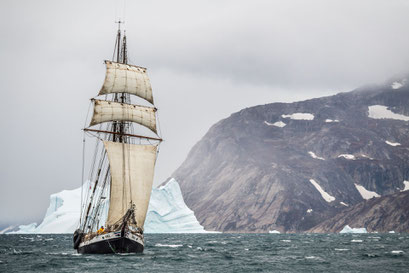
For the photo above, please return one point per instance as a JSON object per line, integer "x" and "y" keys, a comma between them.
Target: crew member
{"x": 101, "y": 230}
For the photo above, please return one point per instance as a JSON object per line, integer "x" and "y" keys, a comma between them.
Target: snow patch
{"x": 313, "y": 155}
{"x": 167, "y": 213}
{"x": 392, "y": 143}
{"x": 309, "y": 210}
{"x": 331, "y": 120}
{"x": 391, "y": 231}
{"x": 348, "y": 229}
{"x": 406, "y": 184}
{"x": 327, "y": 197}
{"x": 347, "y": 156}
{"x": 398, "y": 84}
{"x": 276, "y": 124}
{"x": 382, "y": 112}
{"x": 365, "y": 193}
{"x": 365, "y": 156}
{"x": 299, "y": 116}
{"x": 344, "y": 204}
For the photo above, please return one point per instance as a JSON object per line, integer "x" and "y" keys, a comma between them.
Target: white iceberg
{"x": 273, "y": 232}
{"x": 167, "y": 213}
{"x": 348, "y": 229}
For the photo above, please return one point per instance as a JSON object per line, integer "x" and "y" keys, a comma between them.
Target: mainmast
{"x": 121, "y": 57}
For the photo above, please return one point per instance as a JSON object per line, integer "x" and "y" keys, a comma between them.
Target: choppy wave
{"x": 214, "y": 253}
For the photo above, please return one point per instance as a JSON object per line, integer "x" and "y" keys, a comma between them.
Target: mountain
{"x": 167, "y": 213}
{"x": 291, "y": 166}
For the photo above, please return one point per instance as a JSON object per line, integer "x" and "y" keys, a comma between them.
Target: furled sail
{"x": 125, "y": 78}
{"x": 115, "y": 111}
{"x": 132, "y": 168}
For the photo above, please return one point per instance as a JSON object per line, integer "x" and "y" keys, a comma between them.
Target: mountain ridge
{"x": 253, "y": 171}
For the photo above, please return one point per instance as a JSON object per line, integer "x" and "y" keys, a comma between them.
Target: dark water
{"x": 215, "y": 253}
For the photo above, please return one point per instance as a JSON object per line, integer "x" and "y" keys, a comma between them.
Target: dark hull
{"x": 114, "y": 245}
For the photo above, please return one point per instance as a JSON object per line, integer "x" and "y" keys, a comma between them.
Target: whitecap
{"x": 164, "y": 245}
{"x": 313, "y": 258}
{"x": 189, "y": 246}
{"x": 356, "y": 241}
{"x": 397, "y": 251}
{"x": 246, "y": 249}
{"x": 341, "y": 249}
{"x": 285, "y": 241}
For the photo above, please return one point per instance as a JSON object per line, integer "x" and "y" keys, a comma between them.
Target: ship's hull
{"x": 112, "y": 243}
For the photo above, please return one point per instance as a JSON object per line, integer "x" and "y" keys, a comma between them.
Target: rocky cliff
{"x": 291, "y": 166}
{"x": 383, "y": 214}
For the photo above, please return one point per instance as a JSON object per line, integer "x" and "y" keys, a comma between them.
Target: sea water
{"x": 215, "y": 253}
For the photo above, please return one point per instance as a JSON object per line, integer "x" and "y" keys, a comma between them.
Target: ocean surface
{"x": 215, "y": 253}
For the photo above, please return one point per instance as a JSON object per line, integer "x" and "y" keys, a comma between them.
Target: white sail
{"x": 132, "y": 169}
{"x": 115, "y": 111}
{"x": 125, "y": 78}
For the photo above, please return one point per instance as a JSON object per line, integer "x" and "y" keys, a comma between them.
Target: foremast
{"x": 121, "y": 168}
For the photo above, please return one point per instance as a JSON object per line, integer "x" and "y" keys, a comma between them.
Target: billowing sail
{"x": 125, "y": 78}
{"x": 132, "y": 168}
{"x": 115, "y": 111}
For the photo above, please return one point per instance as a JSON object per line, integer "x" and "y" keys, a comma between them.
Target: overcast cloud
{"x": 206, "y": 59}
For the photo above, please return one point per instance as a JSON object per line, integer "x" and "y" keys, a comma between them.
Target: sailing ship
{"x": 116, "y": 199}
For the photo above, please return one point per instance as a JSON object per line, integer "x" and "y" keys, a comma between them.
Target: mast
{"x": 134, "y": 174}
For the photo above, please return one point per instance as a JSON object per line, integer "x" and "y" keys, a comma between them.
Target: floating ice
{"x": 348, "y": 156}
{"x": 273, "y": 232}
{"x": 392, "y": 143}
{"x": 327, "y": 197}
{"x": 382, "y": 112}
{"x": 167, "y": 213}
{"x": 276, "y": 124}
{"x": 309, "y": 210}
{"x": 313, "y": 155}
{"x": 344, "y": 204}
{"x": 365, "y": 193}
{"x": 331, "y": 120}
{"x": 391, "y": 231}
{"x": 348, "y": 229}
{"x": 299, "y": 116}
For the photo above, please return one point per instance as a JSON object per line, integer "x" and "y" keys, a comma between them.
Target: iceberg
{"x": 274, "y": 231}
{"x": 167, "y": 213}
{"x": 348, "y": 229}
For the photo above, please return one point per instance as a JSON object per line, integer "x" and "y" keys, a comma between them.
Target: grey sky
{"x": 206, "y": 59}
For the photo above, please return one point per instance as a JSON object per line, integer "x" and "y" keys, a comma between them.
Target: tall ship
{"x": 116, "y": 195}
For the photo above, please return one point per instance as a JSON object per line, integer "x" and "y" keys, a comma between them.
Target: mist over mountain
{"x": 292, "y": 166}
